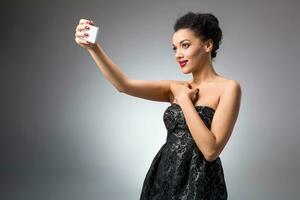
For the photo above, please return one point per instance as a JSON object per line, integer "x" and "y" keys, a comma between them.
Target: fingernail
{"x": 87, "y": 27}
{"x": 86, "y": 34}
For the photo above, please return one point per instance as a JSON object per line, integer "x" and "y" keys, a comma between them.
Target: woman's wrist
{"x": 92, "y": 48}
{"x": 182, "y": 99}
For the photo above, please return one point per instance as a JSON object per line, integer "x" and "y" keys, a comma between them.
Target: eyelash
{"x": 174, "y": 49}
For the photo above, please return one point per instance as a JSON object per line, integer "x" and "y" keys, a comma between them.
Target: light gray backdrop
{"x": 66, "y": 133}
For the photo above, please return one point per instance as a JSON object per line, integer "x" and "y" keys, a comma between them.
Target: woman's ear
{"x": 209, "y": 45}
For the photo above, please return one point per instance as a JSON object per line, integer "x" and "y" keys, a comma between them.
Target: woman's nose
{"x": 178, "y": 54}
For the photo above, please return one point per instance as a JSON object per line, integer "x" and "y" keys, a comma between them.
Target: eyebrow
{"x": 181, "y": 41}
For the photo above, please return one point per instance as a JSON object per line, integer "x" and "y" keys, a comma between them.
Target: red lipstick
{"x": 183, "y": 63}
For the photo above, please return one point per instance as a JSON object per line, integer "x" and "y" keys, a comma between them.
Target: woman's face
{"x": 190, "y": 48}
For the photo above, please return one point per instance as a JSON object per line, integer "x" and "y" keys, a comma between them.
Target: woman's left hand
{"x": 181, "y": 91}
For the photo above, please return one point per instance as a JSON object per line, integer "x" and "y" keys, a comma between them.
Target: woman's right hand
{"x": 80, "y": 34}
{"x": 182, "y": 90}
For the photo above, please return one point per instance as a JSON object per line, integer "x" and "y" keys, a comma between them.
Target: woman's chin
{"x": 185, "y": 70}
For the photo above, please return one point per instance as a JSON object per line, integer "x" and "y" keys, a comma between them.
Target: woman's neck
{"x": 205, "y": 73}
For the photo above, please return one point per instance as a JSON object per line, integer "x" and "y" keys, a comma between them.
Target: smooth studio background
{"x": 67, "y": 133}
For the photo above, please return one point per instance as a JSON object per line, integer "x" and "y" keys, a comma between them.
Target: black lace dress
{"x": 179, "y": 170}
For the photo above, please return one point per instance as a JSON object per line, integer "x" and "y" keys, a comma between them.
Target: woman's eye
{"x": 185, "y": 45}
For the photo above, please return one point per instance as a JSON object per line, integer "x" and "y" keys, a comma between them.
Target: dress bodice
{"x": 174, "y": 118}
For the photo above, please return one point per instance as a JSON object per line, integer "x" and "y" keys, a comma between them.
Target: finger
{"x": 196, "y": 96}
{"x": 91, "y": 22}
{"x": 84, "y": 21}
{"x": 195, "y": 91}
{"x": 187, "y": 85}
{"x": 81, "y": 41}
{"x": 81, "y": 34}
{"x": 82, "y": 27}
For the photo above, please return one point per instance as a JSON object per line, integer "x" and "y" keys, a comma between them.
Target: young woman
{"x": 199, "y": 120}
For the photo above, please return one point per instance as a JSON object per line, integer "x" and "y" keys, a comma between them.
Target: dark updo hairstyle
{"x": 204, "y": 25}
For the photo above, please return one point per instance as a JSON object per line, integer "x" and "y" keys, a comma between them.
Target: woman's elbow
{"x": 211, "y": 157}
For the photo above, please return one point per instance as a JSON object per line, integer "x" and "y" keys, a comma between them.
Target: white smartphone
{"x": 93, "y": 33}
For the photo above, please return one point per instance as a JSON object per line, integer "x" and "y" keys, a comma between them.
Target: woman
{"x": 201, "y": 116}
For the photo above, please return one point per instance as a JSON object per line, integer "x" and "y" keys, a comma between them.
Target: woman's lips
{"x": 183, "y": 63}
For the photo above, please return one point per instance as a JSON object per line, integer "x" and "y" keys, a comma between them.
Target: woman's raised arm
{"x": 152, "y": 90}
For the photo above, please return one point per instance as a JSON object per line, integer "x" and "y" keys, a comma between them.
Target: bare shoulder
{"x": 227, "y": 90}
{"x": 230, "y": 98}
{"x": 225, "y": 84}
{"x": 232, "y": 86}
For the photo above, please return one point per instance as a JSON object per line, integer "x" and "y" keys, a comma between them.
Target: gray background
{"x": 66, "y": 133}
